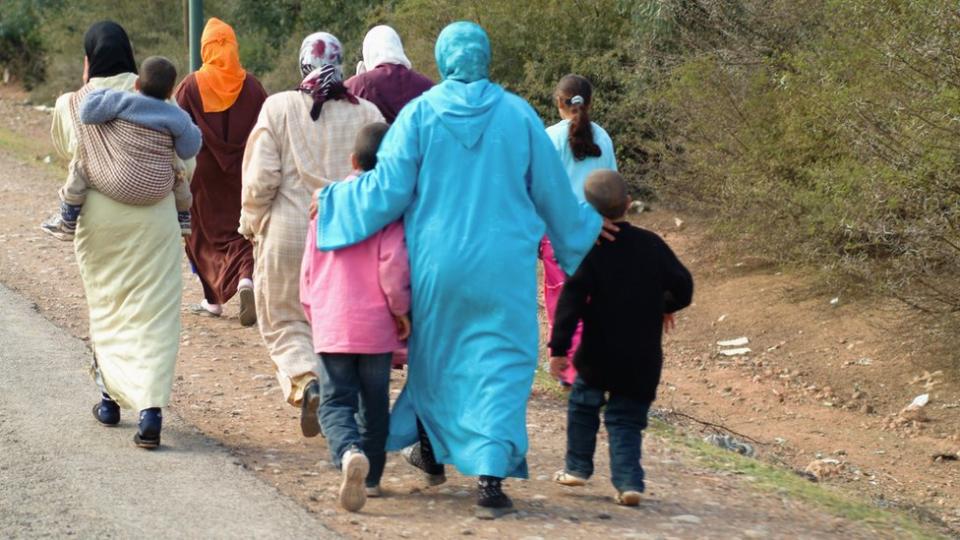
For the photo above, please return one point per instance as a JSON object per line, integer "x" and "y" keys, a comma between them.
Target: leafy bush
{"x": 21, "y": 45}
{"x": 837, "y": 147}
{"x": 818, "y": 131}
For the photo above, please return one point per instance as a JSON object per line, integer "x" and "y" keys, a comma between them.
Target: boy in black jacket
{"x": 624, "y": 291}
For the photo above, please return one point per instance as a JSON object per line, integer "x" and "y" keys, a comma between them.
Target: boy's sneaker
{"x": 373, "y": 491}
{"x": 353, "y": 492}
{"x": 628, "y": 498}
{"x": 433, "y": 472}
{"x": 492, "y": 502}
{"x": 59, "y": 229}
{"x": 567, "y": 479}
{"x": 184, "y": 219}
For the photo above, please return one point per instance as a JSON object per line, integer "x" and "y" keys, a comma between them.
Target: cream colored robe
{"x": 288, "y": 156}
{"x": 129, "y": 259}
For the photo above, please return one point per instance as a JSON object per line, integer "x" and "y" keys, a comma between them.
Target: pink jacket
{"x": 350, "y": 295}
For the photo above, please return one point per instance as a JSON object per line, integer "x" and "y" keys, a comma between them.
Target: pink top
{"x": 350, "y": 295}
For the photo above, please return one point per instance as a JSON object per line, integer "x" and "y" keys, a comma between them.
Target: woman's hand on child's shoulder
{"x": 313, "y": 203}
{"x": 403, "y": 326}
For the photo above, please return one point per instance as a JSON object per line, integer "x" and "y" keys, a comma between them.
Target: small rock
{"x": 603, "y": 515}
{"x": 822, "y": 469}
{"x": 689, "y": 519}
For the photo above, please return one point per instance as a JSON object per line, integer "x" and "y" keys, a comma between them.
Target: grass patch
{"x": 771, "y": 478}
{"x": 33, "y": 151}
{"x": 782, "y": 481}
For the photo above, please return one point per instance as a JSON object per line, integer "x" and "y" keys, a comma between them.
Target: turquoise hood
{"x": 465, "y": 109}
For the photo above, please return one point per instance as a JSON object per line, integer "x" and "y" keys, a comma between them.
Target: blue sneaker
{"x": 148, "y": 433}
{"x": 184, "y": 219}
{"x": 107, "y": 412}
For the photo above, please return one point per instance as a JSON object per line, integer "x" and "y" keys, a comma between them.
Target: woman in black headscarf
{"x": 107, "y": 63}
{"x": 129, "y": 259}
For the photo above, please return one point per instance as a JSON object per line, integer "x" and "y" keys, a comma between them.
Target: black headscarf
{"x": 108, "y": 50}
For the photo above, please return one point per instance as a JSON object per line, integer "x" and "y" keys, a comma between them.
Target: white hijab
{"x": 382, "y": 46}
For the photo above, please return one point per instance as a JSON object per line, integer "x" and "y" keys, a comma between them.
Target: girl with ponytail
{"x": 583, "y": 147}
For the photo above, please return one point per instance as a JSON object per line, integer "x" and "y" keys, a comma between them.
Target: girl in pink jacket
{"x": 357, "y": 301}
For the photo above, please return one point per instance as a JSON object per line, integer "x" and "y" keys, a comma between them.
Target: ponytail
{"x": 576, "y": 93}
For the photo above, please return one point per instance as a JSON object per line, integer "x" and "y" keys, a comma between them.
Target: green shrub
{"x": 21, "y": 44}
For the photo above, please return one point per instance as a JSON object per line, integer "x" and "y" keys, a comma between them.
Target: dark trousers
{"x": 625, "y": 418}
{"x": 355, "y": 407}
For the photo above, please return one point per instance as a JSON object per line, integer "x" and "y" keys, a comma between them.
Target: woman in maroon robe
{"x": 224, "y": 101}
{"x": 385, "y": 77}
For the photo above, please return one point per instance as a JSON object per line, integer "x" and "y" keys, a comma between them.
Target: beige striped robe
{"x": 288, "y": 156}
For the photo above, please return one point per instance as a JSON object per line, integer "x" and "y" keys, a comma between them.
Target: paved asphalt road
{"x": 61, "y": 474}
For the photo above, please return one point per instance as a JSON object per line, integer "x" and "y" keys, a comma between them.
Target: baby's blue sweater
{"x": 104, "y": 105}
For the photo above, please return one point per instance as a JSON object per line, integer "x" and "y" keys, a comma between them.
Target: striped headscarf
{"x": 321, "y": 59}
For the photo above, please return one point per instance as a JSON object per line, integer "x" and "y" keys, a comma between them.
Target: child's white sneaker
{"x": 373, "y": 492}
{"x": 566, "y": 479}
{"x": 353, "y": 493}
{"x": 628, "y": 498}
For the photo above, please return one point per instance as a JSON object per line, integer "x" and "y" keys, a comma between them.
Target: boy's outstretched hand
{"x": 557, "y": 365}
{"x": 669, "y": 322}
{"x": 403, "y": 326}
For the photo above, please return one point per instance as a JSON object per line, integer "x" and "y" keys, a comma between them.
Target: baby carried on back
{"x": 125, "y": 147}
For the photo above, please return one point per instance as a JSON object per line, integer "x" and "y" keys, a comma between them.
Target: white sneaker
{"x": 373, "y": 492}
{"x": 566, "y": 479}
{"x": 353, "y": 493}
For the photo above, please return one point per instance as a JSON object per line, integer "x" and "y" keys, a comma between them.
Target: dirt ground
{"x": 822, "y": 381}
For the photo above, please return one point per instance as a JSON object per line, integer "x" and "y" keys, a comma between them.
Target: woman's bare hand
{"x": 313, "y": 203}
{"x": 608, "y": 231}
{"x": 403, "y": 326}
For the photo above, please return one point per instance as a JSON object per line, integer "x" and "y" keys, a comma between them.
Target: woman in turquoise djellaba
{"x": 470, "y": 169}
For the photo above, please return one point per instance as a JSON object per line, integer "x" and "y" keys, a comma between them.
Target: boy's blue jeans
{"x": 355, "y": 407}
{"x": 625, "y": 418}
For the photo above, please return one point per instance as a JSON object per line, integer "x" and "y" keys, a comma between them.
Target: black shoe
{"x": 248, "y": 307}
{"x": 433, "y": 472}
{"x": 148, "y": 434}
{"x": 421, "y": 456}
{"x": 310, "y": 410}
{"x": 492, "y": 502}
{"x": 107, "y": 412}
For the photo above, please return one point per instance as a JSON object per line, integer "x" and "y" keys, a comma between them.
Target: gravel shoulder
{"x": 227, "y": 405}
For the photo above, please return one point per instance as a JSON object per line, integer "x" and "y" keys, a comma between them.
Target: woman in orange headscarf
{"x": 224, "y": 101}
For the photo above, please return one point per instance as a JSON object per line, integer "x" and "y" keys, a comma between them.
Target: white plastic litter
{"x": 736, "y": 352}
{"x": 738, "y": 342}
{"x": 918, "y": 402}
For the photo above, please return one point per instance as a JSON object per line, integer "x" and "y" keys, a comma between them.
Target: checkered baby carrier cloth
{"x": 127, "y": 162}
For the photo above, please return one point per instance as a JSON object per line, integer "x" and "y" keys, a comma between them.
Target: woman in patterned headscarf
{"x": 303, "y": 138}
{"x": 224, "y": 101}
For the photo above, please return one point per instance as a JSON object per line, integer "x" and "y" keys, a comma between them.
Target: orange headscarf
{"x": 221, "y": 76}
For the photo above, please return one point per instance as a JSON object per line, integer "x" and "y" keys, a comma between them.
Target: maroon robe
{"x": 220, "y": 255}
{"x": 389, "y": 87}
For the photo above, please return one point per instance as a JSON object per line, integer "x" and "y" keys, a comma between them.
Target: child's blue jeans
{"x": 355, "y": 407}
{"x": 625, "y": 418}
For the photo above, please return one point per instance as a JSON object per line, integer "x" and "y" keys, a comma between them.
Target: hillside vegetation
{"x": 824, "y": 133}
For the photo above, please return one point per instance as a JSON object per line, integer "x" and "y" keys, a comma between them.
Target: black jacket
{"x": 621, "y": 292}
